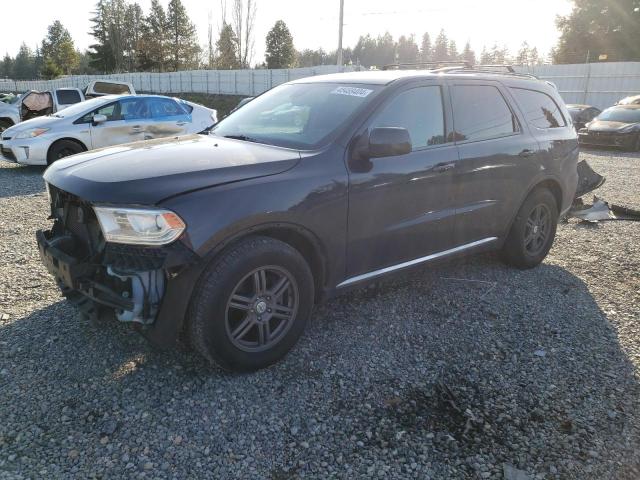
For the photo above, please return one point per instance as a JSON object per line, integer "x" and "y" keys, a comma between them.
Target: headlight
{"x": 35, "y": 132}
{"x": 139, "y": 226}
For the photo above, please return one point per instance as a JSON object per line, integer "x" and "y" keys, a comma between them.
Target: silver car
{"x": 102, "y": 122}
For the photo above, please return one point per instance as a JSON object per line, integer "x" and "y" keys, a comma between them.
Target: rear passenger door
{"x": 495, "y": 160}
{"x": 168, "y": 118}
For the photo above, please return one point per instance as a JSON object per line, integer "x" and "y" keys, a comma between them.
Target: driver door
{"x": 400, "y": 207}
{"x": 125, "y": 123}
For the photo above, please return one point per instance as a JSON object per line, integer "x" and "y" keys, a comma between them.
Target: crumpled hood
{"x": 606, "y": 126}
{"x": 145, "y": 173}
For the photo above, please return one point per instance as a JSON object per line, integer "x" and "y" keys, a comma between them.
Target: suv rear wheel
{"x": 251, "y": 305}
{"x": 533, "y": 231}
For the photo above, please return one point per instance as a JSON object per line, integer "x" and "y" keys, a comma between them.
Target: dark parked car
{"x": 617, "y": 126}
{"x": 582, "y": 114}
{"x": 231, "y": 238}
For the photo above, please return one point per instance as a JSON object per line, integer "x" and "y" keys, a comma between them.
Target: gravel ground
{"x": 467, "y": 370}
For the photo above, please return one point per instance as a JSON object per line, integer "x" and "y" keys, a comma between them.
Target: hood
{"x": 606, "y": 126}
{"x": 39, "y": 122}
{"x": 145, "y": 173}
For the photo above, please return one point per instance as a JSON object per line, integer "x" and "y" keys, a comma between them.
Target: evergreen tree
{"x": 441, "y": 48}
{"x": 453, "y": 51}
{"x": 365, "y": 51}
{"x": 24, "y": 64}
{"x": 6, "y": 67}
{"x": 152, "y": 52}
{"x": 523, "y": 54}
{"x": 182, "y": 40}
{"x": 407, "y": 49}
{"x": 468, "y": 54}
{"x": 425, "y": 48}
{"x": 280, "y": 52}
{"x": 133, "y": 25}
{"x": 58, "y": 51}
{"x": 385, "y": 50}
{"x": 100, "y": 52}
{"x": 227, "y": 48}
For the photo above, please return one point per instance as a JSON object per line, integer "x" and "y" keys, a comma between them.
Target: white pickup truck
{"x": 36, "y": 104}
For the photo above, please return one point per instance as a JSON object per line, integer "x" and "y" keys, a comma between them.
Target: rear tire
{"x": 61, "y": 149}
{"x": 533, "y": 231}
{"x": 251, "y": 304}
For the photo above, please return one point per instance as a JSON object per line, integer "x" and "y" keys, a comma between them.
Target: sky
{"x": 314, "y": 23}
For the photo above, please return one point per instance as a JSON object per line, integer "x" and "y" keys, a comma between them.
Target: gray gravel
{"x": 513, "y": 375}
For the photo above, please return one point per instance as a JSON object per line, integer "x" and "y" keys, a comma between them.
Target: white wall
{"x": 598, "y": 84}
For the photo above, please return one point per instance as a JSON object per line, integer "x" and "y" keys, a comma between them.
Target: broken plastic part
{"x": 601, "y": 210}
{"x": 588, "y": 180}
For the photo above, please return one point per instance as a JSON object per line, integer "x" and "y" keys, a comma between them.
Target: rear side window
{"x": 68, "y": 97}
{"x": 165, "y": 107}
{"x": 107, "y": 88}
{"x": 420, "y": 111}
{"x": 540, "y": 109}
{"x": 480, "y": 112}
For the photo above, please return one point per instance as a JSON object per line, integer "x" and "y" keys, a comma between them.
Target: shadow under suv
{"x": 314, "y": 187}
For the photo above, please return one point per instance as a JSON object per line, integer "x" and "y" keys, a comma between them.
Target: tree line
{"x": 164, "y": 39}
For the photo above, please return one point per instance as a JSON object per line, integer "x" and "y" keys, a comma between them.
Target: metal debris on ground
{"x": 601, "y": 210}
{"x": 588, "y": 180}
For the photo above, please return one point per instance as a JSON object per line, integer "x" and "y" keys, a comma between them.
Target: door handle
{"x": 526, "y": 153}
{"x": 181, "y": 123}
{"x": 443, "y": 167}
{"x": 136, "y": 129}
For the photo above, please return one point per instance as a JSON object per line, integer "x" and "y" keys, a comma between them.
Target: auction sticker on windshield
{"x": 352, "y": 91}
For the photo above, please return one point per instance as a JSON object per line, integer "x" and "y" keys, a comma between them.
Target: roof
{"x": 385, "y": 77}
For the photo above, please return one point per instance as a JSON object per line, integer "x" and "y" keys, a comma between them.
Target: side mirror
{"x": 389, "y": 142}
{"x": 99, "y": 118}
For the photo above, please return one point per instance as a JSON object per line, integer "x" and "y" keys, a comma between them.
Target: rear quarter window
{"x": 539, "y": 109}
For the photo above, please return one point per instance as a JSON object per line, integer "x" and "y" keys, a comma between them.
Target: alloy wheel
{"x": 537, "y": 230}
{"x": 261, "y": 309}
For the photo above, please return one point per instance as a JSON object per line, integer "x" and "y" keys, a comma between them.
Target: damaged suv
{"x": 316, "y": 186}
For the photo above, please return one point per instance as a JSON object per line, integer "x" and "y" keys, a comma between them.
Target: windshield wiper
{"x": 244, "y": 138}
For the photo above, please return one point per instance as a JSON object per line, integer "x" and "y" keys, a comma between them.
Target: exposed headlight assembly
{"x": 34, "y": 132}
{"x": 139, "y": 226}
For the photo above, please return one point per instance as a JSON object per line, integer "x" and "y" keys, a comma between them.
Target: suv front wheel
{"x": 533, "y": 230}
{"x": 251, "y": 305}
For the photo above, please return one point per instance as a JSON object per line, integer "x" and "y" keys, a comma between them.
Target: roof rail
{"x": 398, "y": 66}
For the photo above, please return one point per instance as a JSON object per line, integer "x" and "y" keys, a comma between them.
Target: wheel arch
{"x": 548, "y": 183}
{"x": 69, "y": 139}
{"x": 297, "y": 236}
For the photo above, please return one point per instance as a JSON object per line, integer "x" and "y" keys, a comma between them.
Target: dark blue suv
{"x": 314, "y": 187}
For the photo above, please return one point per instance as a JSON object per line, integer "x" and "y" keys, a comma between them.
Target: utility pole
{"x": 340, "y": 33}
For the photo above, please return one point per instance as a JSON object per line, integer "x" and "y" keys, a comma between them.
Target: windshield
{"x": 82, "y": 107}
{"x": 302, "y": 115}
{"x": 624, "y": 115}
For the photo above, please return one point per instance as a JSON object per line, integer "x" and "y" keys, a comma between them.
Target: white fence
{"x": 598, "y": 84}
{"x": 224, "y": 82}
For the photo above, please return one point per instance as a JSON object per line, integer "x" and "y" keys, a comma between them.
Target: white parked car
{"x": 34, "y": 104}
{"x": 102, "y": 122}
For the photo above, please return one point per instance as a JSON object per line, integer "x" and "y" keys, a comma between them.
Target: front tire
{"x": 61, "y": 149}
{"x": 251, "y": 304}
{"x": 533, "y": 231}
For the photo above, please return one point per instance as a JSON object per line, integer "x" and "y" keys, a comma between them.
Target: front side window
{"x": 134, "y": 109}
{"x": 420, "y": 111}
{"x": 298, "y": 115}
{"x": 480, "y": 112}
{"x": 539, "y": 109}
